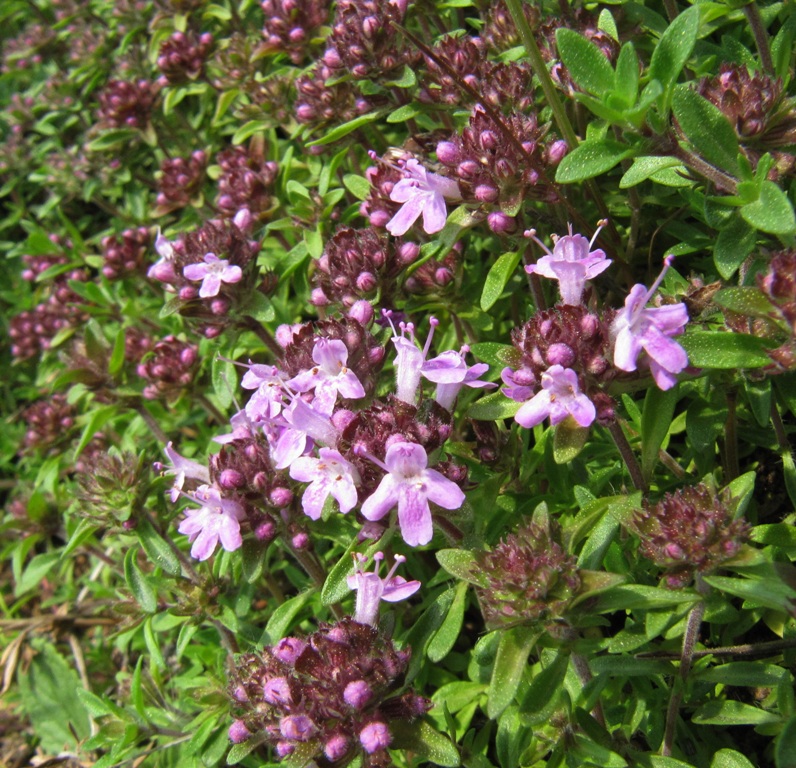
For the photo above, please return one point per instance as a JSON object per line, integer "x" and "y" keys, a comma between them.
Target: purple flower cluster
{"x": 330, "y": 694}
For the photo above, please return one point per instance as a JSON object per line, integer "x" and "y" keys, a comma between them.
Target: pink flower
{"x": 410, "y": 486}
{"x": 559, "y": 397}
{"x": 572, "y": 263}
{"x": 328, "y": 475}
{"x": 268, "y": 383}
{"x": 183, "y": 468}
{"x": 213, "y": 272}
{"x": 218, "y": 519}
{"x": 421, "y": 192}
{"x": 163, "y": 270}
{"x": 636, "y": 328}
{"x": 372, "y": 589}
{"x": 329, "y": 377}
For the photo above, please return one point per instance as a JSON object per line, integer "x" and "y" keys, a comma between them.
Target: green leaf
{"x": 445, "y": 637}
{"x": 732, "y": 713}
{"x": 724, "y": 350}
{"x": 493, "y": 407}
{"x": 510, "y": 663}
{"x": 462, "y": 564}
{"x": 734, "y": 243}
{"x": 569, "y": 439}
{"x": 497, "y": 278}
{"x": 746, "y": 301}
{"x": 707, "y": 128}
{"x": 592, "y": 158}
{"x": 785, "y": 745}
{"x": 673, "y": 49}
{"x": 542, "y": 694}
{"x": 772, "y": 212}
{"x": 626, "y": 76}
{"x": 113, "y": 138}
{"x": 631, "y": 596}
{"x": 656, "y": 420}
{"x": 644, "y": 168}
{"x": 358, "y": 186}
{"x": 281, "y": 619}
{"x": 139, "y": 585}
{"x": 750, "y": 674}
{"x": 225, "y": 101}
{"x": 156, "y": 548}
{"x": 340, "y": 131}
{"x": 249, "y": 129}
{"x": 48, "y": 690}
{"x": 729, "y": 758}
{"x": 36, "y": 570}
{"x": 225, "y": 379}
{"x": 425, "y": 742}
{"x": 98, "y": 419}
{"x": 335, "y": 588}
{"x": 587, "y": 65}
{"x": 495, "y": 354}
{"x": 408, "y": 79}
{"x": 314, "y": 240}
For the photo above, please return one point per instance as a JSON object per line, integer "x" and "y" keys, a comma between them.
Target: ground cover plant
{"x": 398, "y": 383}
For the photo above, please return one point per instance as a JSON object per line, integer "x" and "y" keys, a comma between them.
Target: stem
{"x": 686, "y": 658}
{"x": 584, "y": 674}
{"x": 154, "y": 427}
{"x": 752, "y": 13}
{"x": 671, "y": 9}
{"x": 732, "y": 467}
{"x": 212, "y": 410}
{"x": 309, "y": 562}
{"x": 723, "y": 181}
{"x": 779, "y": 427}
{"x": 540, "y": 70}
{"x": 628, "y": 456}
{"x": 769, "y": 648}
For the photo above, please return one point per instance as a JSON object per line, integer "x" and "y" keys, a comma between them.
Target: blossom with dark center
{"x": 410, "y": 485}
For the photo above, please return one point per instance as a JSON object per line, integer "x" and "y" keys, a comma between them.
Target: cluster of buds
{"x": 331, "y": 695}
{"x": 500, "y": 31}
{"x": 246, "y": 181}
{"x": 126, "y": 104}
{"x": 126, "y": 254}
{"x": 434, "y": 275}
{"x": 318, "y": 103}
{"x": 364, "y": 40}
{"x": 32, "y": 331}
{"x": 358, "y": 264}
{"x": 291, "y": 25}
{"x": 112, "y": 486}
{"x": 379, "y": 207}
{"x": 182, "y": 57}
{"x": 180, "y": 181}
{"x": 529, "y": 578}
{"x": 498, "y": 166}
{"x": 210, "y": 269}
{"x": 459, "y": 68}
{"x": 689, "y": 532}
{"x": 169, "y": 368}
{"x": 47, "y": 422}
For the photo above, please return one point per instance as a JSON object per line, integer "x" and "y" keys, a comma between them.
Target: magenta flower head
{"x": 559, "y": 397}
{"x": 421, "y": 192}
{"x": 572, "y": 262}
{"x": 410, "y": 485}
{"x": 372, "y": 589}
{"x": 212, "y": 272}
{"x": 328, "y": 475}
{"x": 636, "y": 328}
{"x": 218, "y": 519}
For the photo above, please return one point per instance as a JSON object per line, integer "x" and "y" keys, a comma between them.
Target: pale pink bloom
{"x": 410, "y": 485}
{"x": 183, "y": 468}
{"x": 372, "y": 589}
{"x": 329, "y": 377}
{"x": 304, "y": 424}
{"x": 421, "y": 192}
{"x": 163, "y": 270}
{"x": 559, "y": 397}
{"x": 450, "y": 372}
{"x": 266, "y": 402}
{"x": 212, "y": 272}
{"x": 572, "y": 263}
{"x": 328, "y": 475}
{"x": 217, "y": 520}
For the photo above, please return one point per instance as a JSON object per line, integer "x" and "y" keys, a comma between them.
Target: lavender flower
{"x": 559, "y": 397}
{"x": 212, "y": 273}
{"x": 218, "y": 519}
{"x": 421, "y": 192}
{"x": 328, "y": 475}
{"x": 450, "y": 373}
{"x": 371, "y": 588}
{"x": 410, "y": 485}
{"x": 572, "y": 263}
{"x": 304, "y": 424}
{"x": 329, "y": 377}
{"x": 182, "y": 468}
{"x": 636, "y": 328}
